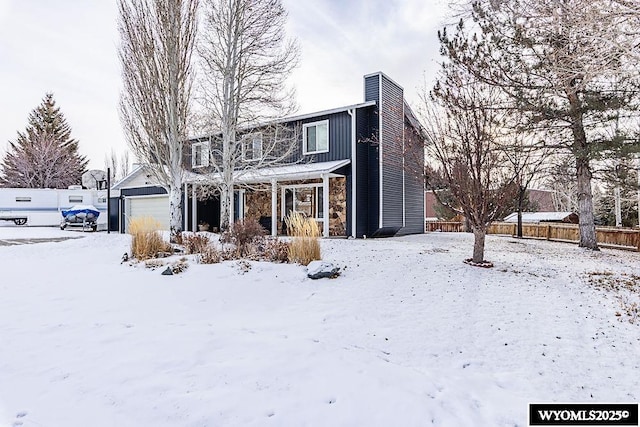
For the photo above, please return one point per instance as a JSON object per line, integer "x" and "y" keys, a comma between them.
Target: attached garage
{"x": 154, "y": 206}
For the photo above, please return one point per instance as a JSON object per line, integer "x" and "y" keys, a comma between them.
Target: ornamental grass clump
{"x": 305, "y": 245}
{"x": 146, "y": 239}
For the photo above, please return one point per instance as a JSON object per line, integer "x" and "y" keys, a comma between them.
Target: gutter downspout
{"x": 352, "y": 113}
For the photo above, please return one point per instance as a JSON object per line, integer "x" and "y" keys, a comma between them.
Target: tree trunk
{"x": 521, "y": 194}
{"x": 585, "y": 206}
{"x": 478, "y": 244}
{"x": 618, "y": 207}
{"x": 175, "y": 211}
{"x": 232, "y": 202}
{"x": 224, "y": 207}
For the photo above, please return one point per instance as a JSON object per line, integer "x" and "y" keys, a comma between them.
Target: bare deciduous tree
{"x": 560, "y": 178}
{"x": 464, "y": 127}
{"x": 246, "y": 60}
{"x": 527, "y": 160}
{"x": 157, "y": 41}
{"x": 119, "y": 166}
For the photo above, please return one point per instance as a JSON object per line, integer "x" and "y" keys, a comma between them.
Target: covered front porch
{"x": 321, "y": 191}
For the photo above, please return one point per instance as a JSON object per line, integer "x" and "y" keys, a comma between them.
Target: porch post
{"x": 325, "y": 205}
{"x": 186, "y": 207}
{"x": 194, "y": 209}
{"x": 274, "y": 207}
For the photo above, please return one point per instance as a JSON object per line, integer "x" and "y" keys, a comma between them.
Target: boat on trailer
{"x": 81, "y": 215}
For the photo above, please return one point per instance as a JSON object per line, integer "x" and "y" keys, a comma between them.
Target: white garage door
{"x": 151, "y": 206}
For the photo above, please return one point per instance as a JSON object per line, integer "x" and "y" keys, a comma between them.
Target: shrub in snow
{"x": 244, "y": 235}
{"x": 146, "y": 239}
{"x": 179, "y": 266}
{"x": 275, "y": 250}
{"x": 305, "y": 246}
{"x": 153, "y": 263}
{"x": 195, "y": 243}
{"x": 209, "y": 255}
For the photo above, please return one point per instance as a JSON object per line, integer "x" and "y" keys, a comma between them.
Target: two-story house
{"x": 358, "y": 170}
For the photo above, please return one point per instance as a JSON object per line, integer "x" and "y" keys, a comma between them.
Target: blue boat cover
{"x": 81, "y": 209}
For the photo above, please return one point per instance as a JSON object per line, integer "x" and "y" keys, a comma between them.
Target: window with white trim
{"x": 199, "y": 154}
{"x": 252, "y": 147}
{"x": 306, "y": 200}
{"x": 315, "y": 137}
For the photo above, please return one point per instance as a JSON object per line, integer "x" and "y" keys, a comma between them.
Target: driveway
{"x": 13, "y": 242}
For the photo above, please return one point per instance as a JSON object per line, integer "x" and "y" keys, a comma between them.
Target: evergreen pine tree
{"x": 567, "y": 67}
{"x": 45, "y": 155}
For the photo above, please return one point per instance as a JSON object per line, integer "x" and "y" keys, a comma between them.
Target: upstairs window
{"x": 252, "y": 147}
{"x": 315, "y": 137}
{"x": 199, "y": 155}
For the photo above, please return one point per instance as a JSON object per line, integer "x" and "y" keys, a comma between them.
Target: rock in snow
{"x": 321, "y": 269}
{"x": 168, "y": 272}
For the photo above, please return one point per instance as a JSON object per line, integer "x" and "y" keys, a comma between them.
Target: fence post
{"x": 548, "y": 231}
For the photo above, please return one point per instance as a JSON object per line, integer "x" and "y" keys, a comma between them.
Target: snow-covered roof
{"x": 121, "y": 183}
{"x": 539, "y": 216}
{"x": 296, "y": 171}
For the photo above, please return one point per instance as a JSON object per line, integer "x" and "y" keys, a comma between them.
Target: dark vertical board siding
{"x": 373, "y": 184}
{"x": 369, "y": 162}
{"x": 143, "y": 191}
{"x": 339, "y": 142}
{"x": 114, "y": 208}
{"x": 367, "y": 172}
{"x": 372, "y": 88}
{"x": 339, "y": 138}
{"x": 186, "y": 156}
{"x": 391, "y": 141}
{"x": 414, "y": 182}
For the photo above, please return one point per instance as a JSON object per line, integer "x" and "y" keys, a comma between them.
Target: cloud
{"x": 70, "y": 48}
{"x": 70, "y": 51}
{"x": 342, "y": 41}
{"x": 5, "y": 9}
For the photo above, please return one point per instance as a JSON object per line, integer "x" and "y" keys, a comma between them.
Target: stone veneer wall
{"x": 338, "y": 206}
{"x": 258, "y": 203}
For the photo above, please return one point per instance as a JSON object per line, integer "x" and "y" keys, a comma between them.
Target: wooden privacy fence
{"x": 446, "y": 226}
{"x": 620, "y": 238}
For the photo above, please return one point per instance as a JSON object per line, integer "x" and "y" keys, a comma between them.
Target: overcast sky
{"x": 69, "y": 47}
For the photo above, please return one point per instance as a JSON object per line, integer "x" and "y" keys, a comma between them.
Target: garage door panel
{"x": 154, "y": 207}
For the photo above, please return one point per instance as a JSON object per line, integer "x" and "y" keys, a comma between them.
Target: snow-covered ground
{"x": 408, "y": 335}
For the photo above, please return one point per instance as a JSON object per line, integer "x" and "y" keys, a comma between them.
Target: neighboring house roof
{"x": 535, "y": 217}
{"x": 542, "y": 198}
{"x": 289, "y": 172}
{"x": 140, "y": 176}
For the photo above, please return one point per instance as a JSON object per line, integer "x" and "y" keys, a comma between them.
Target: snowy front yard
{"x": 408, "y": 335}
